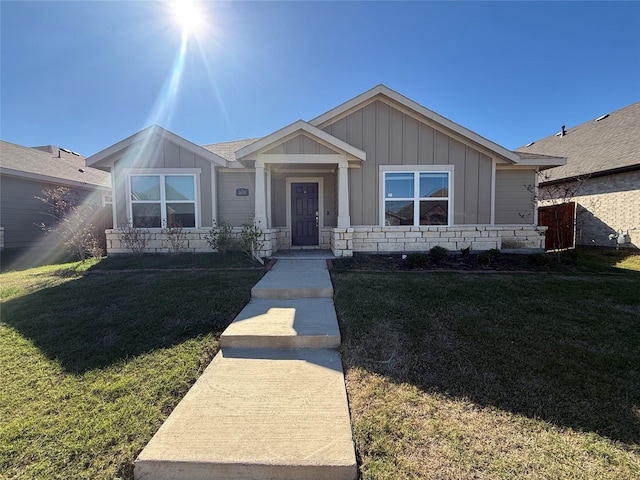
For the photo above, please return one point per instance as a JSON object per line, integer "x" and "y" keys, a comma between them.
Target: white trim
{"x": 448, "y": 169}
{"x": 214, "y": 195}
{"x": 493, "y": 191}
{"x": 268, "y": 194}
{"x": 301, "y": 158}
{"x": 251, "y": 152}
{"x": 320, "y": 182}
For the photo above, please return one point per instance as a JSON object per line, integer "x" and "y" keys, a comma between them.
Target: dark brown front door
{"x": 304, "y": 214}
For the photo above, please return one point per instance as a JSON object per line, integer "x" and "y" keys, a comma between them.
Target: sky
{"x": 85, "y": 75}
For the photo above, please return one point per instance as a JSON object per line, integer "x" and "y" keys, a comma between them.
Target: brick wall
{"x": 606, "y": 205}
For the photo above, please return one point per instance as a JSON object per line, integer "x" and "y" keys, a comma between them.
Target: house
{"x": 24, "y": 174}
{"x": 602, "y": 177}
{"x": 379, "y": 173}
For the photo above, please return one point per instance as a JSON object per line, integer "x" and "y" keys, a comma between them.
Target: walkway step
{"x": 258, "y": 414}
{"x": 295, "y": 279}
{"x": 299, "y": 323}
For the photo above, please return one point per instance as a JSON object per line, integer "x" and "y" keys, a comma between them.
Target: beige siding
{"x": 233, "y": 209}
{"x": 391, "y": 137}
{"x": 514, "y": 200}
{"x": 300, "y": 145}
{"x": 158, "y": 154}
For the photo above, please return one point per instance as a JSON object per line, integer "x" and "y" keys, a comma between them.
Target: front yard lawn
{"x": 449, "y": 375}
{"x": 471, "y": 375}
{"x": 92, "y": 364}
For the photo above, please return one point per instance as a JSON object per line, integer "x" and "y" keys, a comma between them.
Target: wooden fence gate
{"x": 561, "y": 220}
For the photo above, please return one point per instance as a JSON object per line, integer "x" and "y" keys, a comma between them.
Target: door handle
{"x": 317, "y": 218}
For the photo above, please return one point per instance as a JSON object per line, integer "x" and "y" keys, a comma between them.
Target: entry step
{"x": 295, "y": 279}
{"x": 278, "y": 323}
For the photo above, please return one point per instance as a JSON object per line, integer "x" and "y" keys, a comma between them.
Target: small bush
{"x": 250, "y": 238}
{"x": 466, "y": 251}
{"x": 174, "y": 238}
{"x": 417, "y": 260}
{"x": 133, "y": 239}
{"x": 494, "y": 252}
{"x": 438, "y": 254}
{"x": 221, "y": 237}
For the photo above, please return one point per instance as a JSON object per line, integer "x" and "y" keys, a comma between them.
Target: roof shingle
{"x": 594, "y": 147}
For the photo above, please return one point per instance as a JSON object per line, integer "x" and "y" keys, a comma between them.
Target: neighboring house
{"x": 379, "y": 173}
{"x": 24, "y": 174}
{"x": 602, "y": 176}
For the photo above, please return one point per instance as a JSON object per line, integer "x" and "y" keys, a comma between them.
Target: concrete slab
{"x": 258, "y": 414}
{"x": 295, "y": 279}
{"x": 299, "y": 323}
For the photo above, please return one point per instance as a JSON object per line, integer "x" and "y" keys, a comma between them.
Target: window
{"x": 416, "y": 198}
{"x": 163, "y": 200}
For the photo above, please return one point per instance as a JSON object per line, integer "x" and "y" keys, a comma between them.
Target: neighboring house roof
{"x": 105, "y": 158}
{"x": 607, "y": 144}
{"x": 50, "y": 164}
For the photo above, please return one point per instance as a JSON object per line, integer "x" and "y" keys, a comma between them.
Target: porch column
{"x": 344, "y": 218}
{"x": 261, "y": 198}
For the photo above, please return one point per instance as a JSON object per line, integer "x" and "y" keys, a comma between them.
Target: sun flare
{"x": 188, "y": 14}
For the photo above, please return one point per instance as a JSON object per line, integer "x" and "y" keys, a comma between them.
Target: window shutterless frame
{"x": 416, "y": 195}
{"x": 157, "y": 200}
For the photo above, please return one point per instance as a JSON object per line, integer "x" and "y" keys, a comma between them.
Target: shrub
{"x": 466, "y": 251}
{"x": 417, "y": 260}
{"x": 133, "y": 239}
{"x": 438, "y": 254}
{"x": 220, "y": 238}
{"x": 174, "y": 238}
{"x": 250, "y": 238}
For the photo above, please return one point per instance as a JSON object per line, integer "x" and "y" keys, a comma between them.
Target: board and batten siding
{"x": 392, "y": 137}
{"x": 232, "y": 208}
{"x": 300, "y": 145}
{"x": 160, "y": 153}
{"x": 514, "y": 197}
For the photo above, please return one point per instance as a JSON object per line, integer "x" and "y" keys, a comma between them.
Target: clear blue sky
{"x": 84, "y": 75}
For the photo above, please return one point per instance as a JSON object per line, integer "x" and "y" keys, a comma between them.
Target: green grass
{"x": 449, "y": 375}
{"x": 93, "y": 364}
{"x": 493, "y": 376}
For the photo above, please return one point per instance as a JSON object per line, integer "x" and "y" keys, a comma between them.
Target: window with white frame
{"x": 416, "y": 197}
{"x": 159, "y": 200}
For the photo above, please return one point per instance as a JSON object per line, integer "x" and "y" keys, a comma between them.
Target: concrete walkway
{"x": 272, "y": 404}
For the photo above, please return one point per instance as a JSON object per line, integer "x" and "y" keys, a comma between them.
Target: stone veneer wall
{"x": 195, "y": 242}
{"x": 346, "y": 241}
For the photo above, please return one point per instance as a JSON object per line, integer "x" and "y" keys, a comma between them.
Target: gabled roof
{"x": 382, "y": 91}
{"x": 299, "y": 127}
{"x": 607, "y": 144}
{"x": 105, "y": 158}
{"x": 50, "y": 164}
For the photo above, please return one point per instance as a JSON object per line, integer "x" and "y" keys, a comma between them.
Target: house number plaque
{"x": 242, "y": 192}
